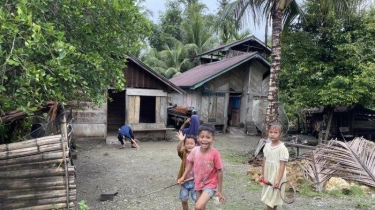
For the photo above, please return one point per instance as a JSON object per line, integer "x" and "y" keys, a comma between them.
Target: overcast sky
{"x": 159, "y": 5}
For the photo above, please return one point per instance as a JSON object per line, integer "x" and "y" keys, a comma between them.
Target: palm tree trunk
{"x": 272, "y": 109}
{"x": 266, "y": 31}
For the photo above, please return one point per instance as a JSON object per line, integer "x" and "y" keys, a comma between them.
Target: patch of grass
{"x": 353, "y": 191}
{"x": 253, "y": 186}
{"x": 234, "y": 175}
{"x": 236, "y": 157}
{"x": 368, "y": 204}
{"x": 336, "y": 193}
{"x": 308, "y": 190}
{"x": 356, "y": 191}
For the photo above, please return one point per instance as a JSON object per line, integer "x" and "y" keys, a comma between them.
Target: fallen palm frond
{"x": 315, "y": 168}
{"x": 354, "y": 160}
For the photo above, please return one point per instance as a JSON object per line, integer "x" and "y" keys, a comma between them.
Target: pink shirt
{"x": 205, "y": 167}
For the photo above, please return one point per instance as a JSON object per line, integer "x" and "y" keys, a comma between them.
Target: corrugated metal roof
{"x": 339, "y": 109}
{"x": 235, "y": 43}
{"x": 313, "y": 110}
{"x": 343, "y": 108}
{"x": 157, "y": 75}
{"x": 197, "y": 76}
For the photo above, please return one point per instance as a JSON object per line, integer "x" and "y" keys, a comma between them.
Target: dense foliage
{"x": 183, "y": 31}
{"x": 65, "y": 50}
{"x": 329, "y": 61}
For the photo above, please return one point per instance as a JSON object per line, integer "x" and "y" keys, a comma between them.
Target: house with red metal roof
{"x": 229, "y": 86}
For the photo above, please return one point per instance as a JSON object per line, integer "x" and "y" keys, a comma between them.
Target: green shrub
{"x": 83, "y": 206}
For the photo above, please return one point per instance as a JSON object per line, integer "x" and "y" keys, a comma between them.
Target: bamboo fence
{"x": 36, "y": 175}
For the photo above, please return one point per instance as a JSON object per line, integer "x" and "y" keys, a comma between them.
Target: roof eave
{"x": 234, "y": 43}
{"x": 160, "y": 77}
{"x": 197, "y": 85}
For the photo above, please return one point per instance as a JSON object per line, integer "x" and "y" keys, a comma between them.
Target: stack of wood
{"x": 17, "y": 114}
{"x": 36, "y": 174}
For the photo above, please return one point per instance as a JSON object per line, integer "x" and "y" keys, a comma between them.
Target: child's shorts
{"x": 186, "y": 188}
{"x": 211, "y": 192}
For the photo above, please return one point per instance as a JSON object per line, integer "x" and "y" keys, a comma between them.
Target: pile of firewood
{"x": 35, "y": 174}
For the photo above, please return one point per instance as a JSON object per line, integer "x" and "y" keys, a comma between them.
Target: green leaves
{"x": 179, "y": 38}
{"x": 331, "y": 63}
{"x": 65, "y": 50}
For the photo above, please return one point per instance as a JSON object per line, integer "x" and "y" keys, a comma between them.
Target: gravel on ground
{"x": 132, "y": 173}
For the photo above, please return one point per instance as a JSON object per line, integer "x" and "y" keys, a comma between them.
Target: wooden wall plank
{"x": 131, "y": 109}
{"x": 204, "y": 108}
{"x": 137, "y": 105}
{"x": 157, "y": 109}
{"x": 220, "y": 101}
{"x": 163, "y": 110}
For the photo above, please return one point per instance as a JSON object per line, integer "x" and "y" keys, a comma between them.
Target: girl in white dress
{"x": 273, "y": 167}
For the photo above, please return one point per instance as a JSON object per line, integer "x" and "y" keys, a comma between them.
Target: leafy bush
{"x": 83, "y": 206}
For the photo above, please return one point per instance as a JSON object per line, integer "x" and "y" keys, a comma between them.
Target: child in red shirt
{"x": 207, "y": 167}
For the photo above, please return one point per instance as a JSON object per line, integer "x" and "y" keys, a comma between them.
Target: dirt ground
{"x": 102, "y": 168}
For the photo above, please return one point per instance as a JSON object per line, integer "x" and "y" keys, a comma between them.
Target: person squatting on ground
{"x": 274, "y": 167}
{"x": 193, "y": 127}
{"x": 126, "y": 132}
{"x": 185, "y": 144}
{"x": 207, "y": 167}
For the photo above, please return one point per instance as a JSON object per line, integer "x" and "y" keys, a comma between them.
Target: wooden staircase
{"x": 251, "y": 129}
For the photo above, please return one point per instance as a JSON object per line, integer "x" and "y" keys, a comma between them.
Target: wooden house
{"x": 359, "y": 120}
{"x": 231, "y": 80}
{"x": 143, "y": 105}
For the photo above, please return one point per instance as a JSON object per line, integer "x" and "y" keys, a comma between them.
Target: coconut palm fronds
{"x": 315, "y": 169}
{"x": 354, "y": 160}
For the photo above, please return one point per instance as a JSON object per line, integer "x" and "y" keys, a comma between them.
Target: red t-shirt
{"x": 205, "y": 167}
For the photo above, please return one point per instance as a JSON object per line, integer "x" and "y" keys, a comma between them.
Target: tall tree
{"x": 197, "y": 30}
{"x": 172, "y": 60}
{"x": 335, "y": 58}
{"x": 229, "y": 29}
{"x": 143, "y": 9}
{"x": 169, "y": 25}
{"x": 56, "y": 50}
{"x": 196, "y": 36}
{"x": 280, "y": 13}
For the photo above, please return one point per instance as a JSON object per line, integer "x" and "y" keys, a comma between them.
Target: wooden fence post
{"x": 64, "y": 138}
